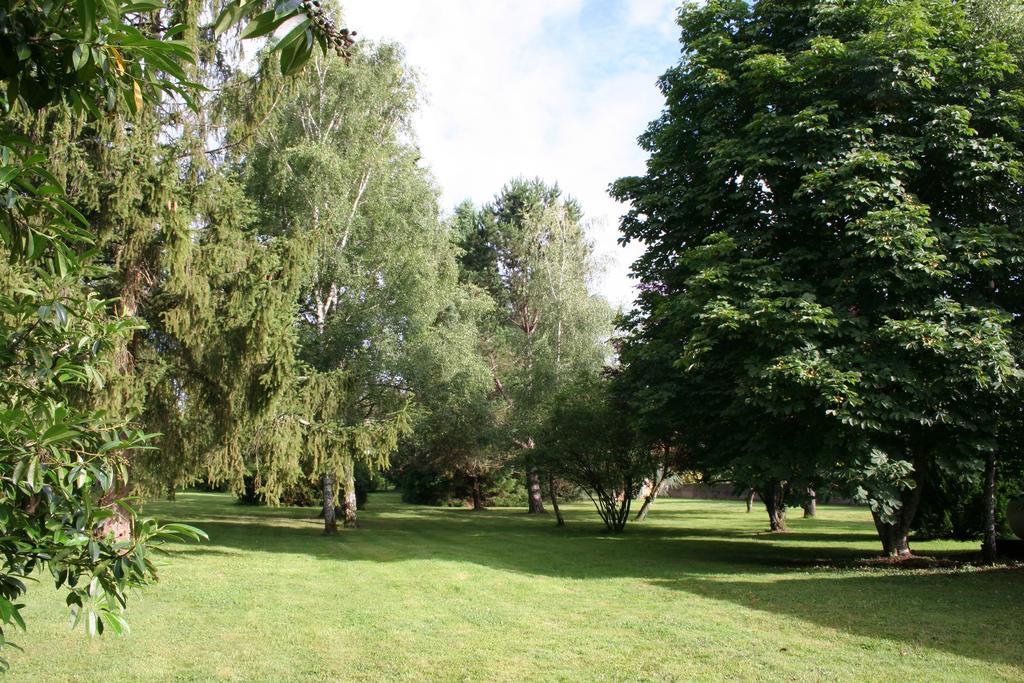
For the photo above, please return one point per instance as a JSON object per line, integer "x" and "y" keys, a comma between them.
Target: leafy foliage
{"x": 371, "y": 263}
{"x": 831, "y": 214}
{"x": 528, "y": 251}
{"x": 297, "y": 26}
{"x": 589, "y": 441}
{"x": 64, "y": 462}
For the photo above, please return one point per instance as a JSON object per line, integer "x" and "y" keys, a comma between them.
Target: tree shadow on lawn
{"x": 791, "y": 575}
{"x": 974, "y": 615}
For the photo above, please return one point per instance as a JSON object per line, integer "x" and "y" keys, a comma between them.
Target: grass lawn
{"x": 695, "y": 592}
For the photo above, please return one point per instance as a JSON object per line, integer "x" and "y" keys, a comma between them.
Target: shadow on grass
{"x": 973, "y": 614}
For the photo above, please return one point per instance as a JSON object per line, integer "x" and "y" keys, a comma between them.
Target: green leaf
{"x": 71, "y": 210}
{"x": 262, "y": 24}
{"x": 87, "y": 18}
{"x": 57, "y": 432}
{"x": 295, "y": 56}
{"x": 80, "y": 56}
{"x": 186, "y": 530}
{"x": 143, "y": 6}
{"x": 294, "y": 34}
{"x": 116, "y": 622}
{"x": 232, "y": 14}
{"x": 30, "y": 473}
{"x": 8, "y": 173}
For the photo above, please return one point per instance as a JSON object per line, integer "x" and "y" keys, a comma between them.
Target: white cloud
{"x": 552, "y": 88}
{"x": 655, "y": 14}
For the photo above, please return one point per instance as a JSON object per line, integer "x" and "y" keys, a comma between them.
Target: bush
{"x": 427, "y": 487}
{"x": 952, "y": 509}
{"x": 506, "y": 489}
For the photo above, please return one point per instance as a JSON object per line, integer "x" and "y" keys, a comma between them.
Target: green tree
{"x": 373, "y": 261}
{"x": 589, "y": 441}
{"x": 527, "y": 249}
{"x": 158, "y": 185}
{"x": 99, "y": 86}
{"x": 456, "y": 426}
{"x": 832, "y": 215}
{"x": 999, "y": 20}
{"x": 64, "y": 462}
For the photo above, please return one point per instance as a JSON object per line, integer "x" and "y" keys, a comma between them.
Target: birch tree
{"x": 337, "y": 177}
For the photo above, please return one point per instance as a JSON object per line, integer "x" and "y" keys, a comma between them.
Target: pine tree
{"x": 527, "y": 249}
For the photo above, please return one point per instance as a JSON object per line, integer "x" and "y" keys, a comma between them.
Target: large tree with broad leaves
{"x": 833, "y": 217}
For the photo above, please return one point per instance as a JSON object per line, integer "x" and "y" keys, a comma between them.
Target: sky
{"x": 557, "y": 89}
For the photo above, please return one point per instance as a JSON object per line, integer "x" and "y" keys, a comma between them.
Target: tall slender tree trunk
{"x": 652, "y": 493}
{"x": 134, "y": 285}
{"x": 533, "y": 491}
{"x": 656, "y": 483}
{"x": 330, "y": 522}
{"x": 350, "y": 517}
{"x": 811, "y": 506}
{"x": 559, "y": 520}
{"x": 641, "y": 514}
{"x": 750, "y": 500}
{"x": 478, "y": 498}
{"x": 989, "y": 549}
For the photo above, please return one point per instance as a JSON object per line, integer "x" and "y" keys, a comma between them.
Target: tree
{"x": 63, "y": 461}
{"x": 669, "y": 465}
{"x": 832, "y": 215}
{"x": 527, "y": 249}
{"x": 371, "y": 260}
{"x": 456, "y": 421}
{"x": 157, "y": 185}
{"x": 999, "y": 20}
{"x": 95, "y": 85}
{"x": 588, "y": 440}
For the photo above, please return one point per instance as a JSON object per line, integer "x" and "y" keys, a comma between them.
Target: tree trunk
{"x": 133, "y": 288}
{"x": 750, "y": 500}
{"x": 120, "y": 524}
{"x": 533, "y": 490}
{"x": 989, "y": 549}
{"x": 478, "y": 498}
{"x": 895, "y": 535}
{"x": 656, "y": 483}
{"x": 350, "y": 504}
{"x": 811, "y": 506}
{"x": 560, "y": 521}
{"x": 330, "y": 522}
{"x": 774, "y": 497}
{"x": 622, "y": 512}
{"x": 641, "y": 514}
{"x": 776, "y": 517}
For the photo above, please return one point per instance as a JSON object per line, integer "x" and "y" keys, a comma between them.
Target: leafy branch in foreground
{"x": 296, "y": 26}
{"x": 63, "y": 463}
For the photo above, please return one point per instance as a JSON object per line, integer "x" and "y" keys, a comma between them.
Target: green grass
{"x": 696, "y": 592}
